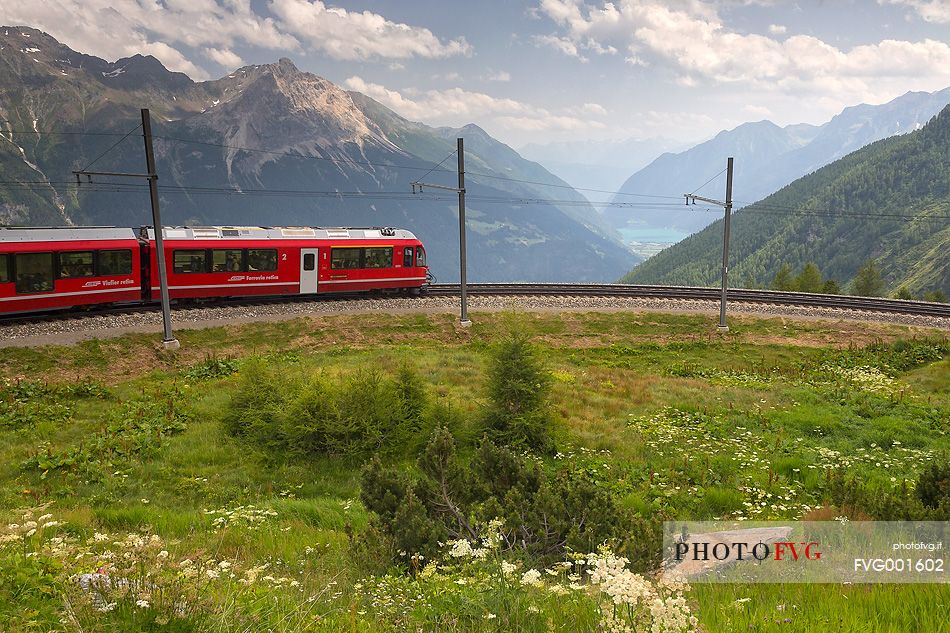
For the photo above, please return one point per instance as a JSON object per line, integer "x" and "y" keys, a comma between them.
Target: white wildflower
{"x": 461, "y": 549}
{"x": 531, "y": 578}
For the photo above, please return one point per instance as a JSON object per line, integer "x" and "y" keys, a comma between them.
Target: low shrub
{"x": 360, "y": 414}
{"x": 928, "y": 500}
{"x": 933, "y": 487}
{"x": 543, "y": 511}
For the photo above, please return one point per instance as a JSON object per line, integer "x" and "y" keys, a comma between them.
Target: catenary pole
{"x": 463, "y": 267}
{"x": 169, "y": 341}
{"x": 725, "y": 247}
{"x": 727, "y": 205}
{"x": 418, "y": 185}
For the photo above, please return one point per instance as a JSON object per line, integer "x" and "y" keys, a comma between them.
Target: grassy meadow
{"x": 256, "y": 480}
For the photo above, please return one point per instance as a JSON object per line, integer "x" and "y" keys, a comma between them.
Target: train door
{"x": 308, "y": 270}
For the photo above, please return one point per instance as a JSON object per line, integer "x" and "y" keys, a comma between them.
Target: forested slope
{"x": 840, "y": 216}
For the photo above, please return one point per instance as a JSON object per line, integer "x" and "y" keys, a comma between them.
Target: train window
{"x": 262, "y": 259}
{"x": 407, "y": 256}
{"x": 34, "y": 272}
{"x": 112, "y": 263}
{"x": 190, "y": 261}
{"x": 76, "y": 264}
{"x": 378, "y": 257}
{"x": 309, "y": 261}
{"x": 345, "y": 258}
{"x": 4, "y": 270}
{"x": 420, "y": 256}
{"x": 227, "y": 260}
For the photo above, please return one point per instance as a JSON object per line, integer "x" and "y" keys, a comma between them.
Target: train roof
{"x": 65, "y": 233}
{"x": 278, "y": 233}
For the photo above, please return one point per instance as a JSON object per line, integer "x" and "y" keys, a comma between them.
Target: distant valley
{"x": 888, "y": 202}
{"x": 767, "y": 157}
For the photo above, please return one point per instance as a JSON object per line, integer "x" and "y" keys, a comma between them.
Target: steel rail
{"x": 774, "y": 297}
{"x": 771, "y": 297}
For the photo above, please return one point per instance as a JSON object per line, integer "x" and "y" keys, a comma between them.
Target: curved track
{"x": 844, "y": 302}
{"x": 774, "y": 297}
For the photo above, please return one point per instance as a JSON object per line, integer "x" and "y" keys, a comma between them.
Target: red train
{"x": 49, "y": 268}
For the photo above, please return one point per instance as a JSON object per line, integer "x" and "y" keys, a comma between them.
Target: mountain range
{"x": 889, "y": 201}
{"x": 270, "y": 144}
{"x": 767, "y": 157}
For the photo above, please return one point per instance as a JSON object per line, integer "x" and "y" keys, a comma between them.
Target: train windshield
{"x": 420, "y": 256}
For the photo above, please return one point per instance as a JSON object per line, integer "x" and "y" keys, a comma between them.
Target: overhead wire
{"x": 341, "y": 161}
{"x": 707, "y": 182}
{"x": 111, "y": 147}
{"x": 551, "y": 184}
{"x": 429, "y": 170}
{"x": 757, "y": 207}
{"x": 125, "y": 187}
{"x": 451, "y": 154}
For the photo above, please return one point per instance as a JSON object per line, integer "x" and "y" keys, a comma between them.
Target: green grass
{"x": 616, "y": 377}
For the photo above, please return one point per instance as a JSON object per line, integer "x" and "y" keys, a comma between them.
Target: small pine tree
{"x": 936, "y": 296}
{"x": 868, "y": 281}
{"x": 903, "y": 293}
{"x": 518, "y": 388}
{"x": 783, "y": 279}
{"x": 809, "y": 280}
{"x": 412, "y": 396}
{"x": 831, "y": 287}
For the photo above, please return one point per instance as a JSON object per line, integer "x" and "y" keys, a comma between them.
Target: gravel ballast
{"x": 72, "y": 330}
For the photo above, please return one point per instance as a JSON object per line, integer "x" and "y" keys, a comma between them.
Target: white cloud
{"x": 456, "y": 106}
{"x": 689, "y": 38}
{"x": 777, "y": 29}
{"x": 588, "y": 109}
{"x": 499, "y": 76}
{"x": 213, "y": 28}
{"x": 390, "y": 98}
{"x": 352, "y": 35}
{"x": 562, "y": 44}
{"x": 536, "y": 124}
{"x": 929, "y": 10}
{"x": 224, "y": 57}
{"x": 119, "y": 28}
{"x": 758, "y": 111}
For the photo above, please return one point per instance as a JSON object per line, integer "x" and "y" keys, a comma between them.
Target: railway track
{"x": 771, "y": 297}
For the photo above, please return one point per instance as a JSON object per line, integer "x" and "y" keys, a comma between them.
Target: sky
{"x": 544, "y": 70}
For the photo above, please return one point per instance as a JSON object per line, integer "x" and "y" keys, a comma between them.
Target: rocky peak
{"x": 143, "y": 72}
{"x": 282, "y": 96}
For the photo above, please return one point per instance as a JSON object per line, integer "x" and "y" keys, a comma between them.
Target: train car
{"x": 225, "y": 261}
{"x": 51, "y": 268}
